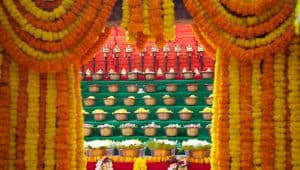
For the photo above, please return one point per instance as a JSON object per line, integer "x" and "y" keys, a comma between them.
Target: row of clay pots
{"x": 149, "y": 88}
{"x": 188, "y": 75}
{"x": 149, "y": 131}
{"x": 145, "y": 116}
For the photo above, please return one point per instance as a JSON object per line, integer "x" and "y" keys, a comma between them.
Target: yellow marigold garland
{"x": 32, "y": 121}
{"x": 72, "y": 116}
{"x": 13, "y": 112}
{"x": 234, "y": 114}
{"x": 214, "y": 134}
{"x": 256, "y": 93}
{"x": 50, "y": 128}
{"x": 140, "y": 164}
{"x": 279, "y": 116}
{"x": 4, "y": 110}
{"x": 168, "y": 20}
{"x": 293, "y": 101}
{"x": 125, "y": 14}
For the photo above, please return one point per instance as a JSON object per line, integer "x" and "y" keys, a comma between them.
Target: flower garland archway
{"x": 256, "y": 84}
{"x": 43, "y": 44}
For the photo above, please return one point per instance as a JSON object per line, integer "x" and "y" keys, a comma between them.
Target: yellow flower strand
{"x": 32, "y": 121}
{"x": 72, "y": 118}
{"x": 234, "y": 113}
{"x": 293, "y": 101}
{"x": 13, "y": 87}
{"x": 140, "y": 164}
{"x": 37, "y": 32}
{"x": 256, "y": 92}
{"x": 146, "y": 27}
{"x": 214, "y": 133}
{"x": 50, "y": 128}
{"x": 297, "y": 22}
{"x": 24, "y": 46}
{"x": 31, "y": 7}
{"x": 168, "y": 19}
{"x": 125, "y": 14}
{"x": 279, "y": 115}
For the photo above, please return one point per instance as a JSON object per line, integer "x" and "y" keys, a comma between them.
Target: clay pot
{"x": 109, "y": 101}
{"x": 129, "y": 101}
{"x": 150, "y": 131}
{"x": 170, "y": 101}
{"x": 199, "y": 154}
{"x": 150, "y": 88}
{"x": 209, "y": 100}
{"x": 106, "y": 131}
{"x": 185, "y": 115}
{"x": 161, "y": 152}
{"x": 89, "y": 102}
{"x": 132, "y": 76}
{"x": 171, "y": 131}
{"x": 113, "y": 88}
{"x": 188, "y": 75}
{"x": 142, "y": 116}
{"x": 131, "y": 152}
{"x": 150, "y": 76}
{"x": 114, "y": 76}
{"x": 207, "y": 74}
{"x": 170, "y": 75}
{"x": 132, "y": 88}
{"x": 192, "y": 131}
{"x": 163, "y": 115}
{"x": 171, "y": 87}
{"x": 97, "y": 76}
{"x": 191, "y": 101}
{"x": 121, "y": 116}
{"x": 206, "y": 115}
{"x": 192, "y": 87}
{"x": 150, "y": 101}
{"x": 127, "y": 131}
{"x": 209, "y": 87}
{"x": 99, "y": 116}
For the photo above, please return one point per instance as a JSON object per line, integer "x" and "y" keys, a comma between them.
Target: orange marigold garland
{"x": 62, "y": 129}
{"x": 222, "y": 150}
{"x": 246, "y": 117}
{"x": 22, "y": 114}
{"x": 4, "y": 110}
{"x": 208, "y": 48}
{"x": 267, "y": 128}
{"x": 13, "y": 112}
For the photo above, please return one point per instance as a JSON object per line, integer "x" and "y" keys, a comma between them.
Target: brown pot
{"x": 97, "y": 76}
{"x": 82, "y": 75}
{"x": 207, "y": 75}
{"x": 99, "y": 116}
{"x": 150, "y": 76}
{"x": 87, "y": 131}
{"x": 94, "y": 88}
{"x": 170, "y": 75}
{"x": 209, "y": 100}
{"x": 142, "y": 115}
{"x": 192, "y": 131}
{"x": 192, "y": 87}
{"x": 150, "y": 131}
{"x": 109, "y": 101}
{"x": 169, "y": 101}
{"x": 98, "y": 152}
{"x": 172, "y": 131}
{"x": 129, "y": 101}
{"x": 106, "y": 131}
{"x": 127, "y": 131}
{"x": 163, "y": 115}
{"x": 114, "y": 76}
{"x": 199, "y": 154}
{"x": 206, "y": 115}
{"x": 113, "y": 88}
{"x": 188, "y": 75}
{"x": 191, "y": 101}
{"x": 150, "y": 88}
{"x": 132, "y": 88}
{"x": 171, "y": 87}
{"x": 89, "y": 102}
{"x": 132, "y": 76}
{"x": 129, "y": 152}
{"x": 185, "y": 115}
{"x": 121, "y": 116}
{"x": 209, "y": 87}
{"x": 150, "y": 101}
{"x": 161, "y": 152}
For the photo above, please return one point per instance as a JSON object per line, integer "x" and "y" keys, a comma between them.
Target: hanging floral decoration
{"x": 237, "y": 35}
{"x": 48, "y": 41}
{"x": 145, "y": 19}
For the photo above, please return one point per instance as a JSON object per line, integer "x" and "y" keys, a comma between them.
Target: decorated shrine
{"x": 149, "y": 84}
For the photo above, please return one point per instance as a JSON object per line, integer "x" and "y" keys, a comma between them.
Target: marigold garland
{"x": 62, "y": 140}
{"x": 42, "y": 121}
{"x": 208, "y": 48}
{"x": 230, "y": 48}
{"x": 50, "y": 128}
{"x": 293, "y": 101}
{"x": 279, "y": 116}
{"x": 13, "y": 112}
{"x": 125, "y": 14}
{"x": 222, "y": 151}
{"x": 72, "y": 118}
{"x": 168, "y": 19}
{"x": 253, "y": 7}
{"x": 22, "y": 115}
{"x": 256, "y": 93}
{"x": 32, "y": 121}
{"x": 246, "y": 117}
{"x": 234, "y": 113}
{"x": 267, "y": 127}
{"x": 146, "y": 29}
{"x": 4, "y": 110}
{"x": 214, "y": 136}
